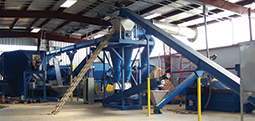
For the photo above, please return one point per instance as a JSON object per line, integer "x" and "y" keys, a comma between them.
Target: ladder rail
{"x": 84, "y": 70}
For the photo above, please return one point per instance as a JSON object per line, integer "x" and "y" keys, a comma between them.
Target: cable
{"x": 210, "y": 93}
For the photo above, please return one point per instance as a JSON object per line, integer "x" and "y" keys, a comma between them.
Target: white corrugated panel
{"x": 18, "y": 41}
{"x": 79, "y": 56}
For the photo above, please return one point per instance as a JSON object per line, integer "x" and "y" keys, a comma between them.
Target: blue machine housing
{"x": 13, "y": 64}
{"x": 17, "y": 70}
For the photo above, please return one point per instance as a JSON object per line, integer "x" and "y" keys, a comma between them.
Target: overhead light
{"x": 35, "y": 30}
{"x": 152, "y": 15}
{"x": 68, "y": 3}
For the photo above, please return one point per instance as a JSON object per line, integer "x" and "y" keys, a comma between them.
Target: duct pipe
{"x": 116, "y": 64}
{"x": 144, "y": 59}
{"x": 140, "y": 35}
{"x": 189, "y": 33}
{"x": 127, "y": 65}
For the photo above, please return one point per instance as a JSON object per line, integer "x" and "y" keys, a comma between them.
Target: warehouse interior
{"x": 127, "y": 60}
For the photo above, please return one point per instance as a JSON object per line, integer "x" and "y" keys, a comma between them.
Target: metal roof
{"x": 86, "y": 17}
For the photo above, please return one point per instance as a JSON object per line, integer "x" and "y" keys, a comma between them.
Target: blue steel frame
{"x": 123, "y": 94}
{"x": 71, "y": 54}
{"x": 226, "y": 77}
{"x": 189, "y": 80}
{"x": 118, "y": 43}
{"x": 27, "y": 76}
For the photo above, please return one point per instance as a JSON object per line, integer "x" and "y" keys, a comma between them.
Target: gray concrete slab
{"x": 80, "y": 112}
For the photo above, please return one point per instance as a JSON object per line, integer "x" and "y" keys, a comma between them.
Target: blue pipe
{"x": 116, "y": 64}
{"x": 144, "y": 58}
{"x": 128, "y": 54}
{"x": 141, "y": 35}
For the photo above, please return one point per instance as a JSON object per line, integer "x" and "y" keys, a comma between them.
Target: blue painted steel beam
{"x": 75, "y": 47}
{"x": 134, "y": 90}
{"x": 78, "y": 68}
{"x": 91, "y": 43}
{"x": 226, "y": 77}
{"x": 190, "y": 79}
{"x": 117, "y": 54}
{"x": 121, "y": 41}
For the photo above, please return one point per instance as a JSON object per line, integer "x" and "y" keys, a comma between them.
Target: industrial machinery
{"x": 224, "y": 76}
{"x": 133, "y": 31}
{"x": 120, "y": 46}
{"x": 24, "y": 72}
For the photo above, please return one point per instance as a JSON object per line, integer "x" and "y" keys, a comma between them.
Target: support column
{"x": 250, "y": 25}
{"x": 148, "y": 72}
{"x": 199, "y": 98}
{"x": 71, "y": 56}
{"x": 71, "y": 80}
{"x": 104, "y": 76}
{"x": 140, "y": 78}
{"x": 205, "y": 12}
{"x": 123, "y": 78}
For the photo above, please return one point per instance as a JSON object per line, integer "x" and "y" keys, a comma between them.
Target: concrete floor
{"x": 80, "y": 112}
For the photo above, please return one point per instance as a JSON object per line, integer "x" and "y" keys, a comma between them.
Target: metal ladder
{"x": 83, "y": 71}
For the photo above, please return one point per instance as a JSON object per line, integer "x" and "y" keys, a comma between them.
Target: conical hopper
{"x": 60, "y": 89}
{"x": 157, "y": 96}
{"x": 125, "y": 24}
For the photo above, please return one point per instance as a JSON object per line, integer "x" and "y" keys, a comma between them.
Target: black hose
{"x": 210, "y": 92}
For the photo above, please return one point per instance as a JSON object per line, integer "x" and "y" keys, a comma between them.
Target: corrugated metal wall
{"x": 79, "y": 56}
{"x": 18, "y": 41}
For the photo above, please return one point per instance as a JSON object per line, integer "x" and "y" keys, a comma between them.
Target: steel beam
{"x": 62, "y": 25}
{"x": 84, "y": 11}
{"x": 154, "y": 7}
{"x": 76, "y": 46}
{"x": 45, "y": 22}
{"x": 49, "y": 19}
{"x": 227, "y": 6}
{"x": 187, "y": 19}
{"x": 214, "y": 21}
{"x": 93, "y": 32}
{"x": 211, "y": 12}
{"x": 48, "y": 36}
{"x": 52, "y": 14}
{"x": 149, "y": 9}
{"x": 33, "y": 22}
{"x": 175, "y": 12}
{"x": 15, "y": 21}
